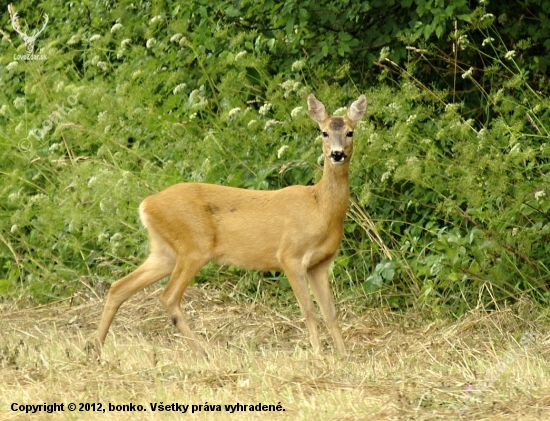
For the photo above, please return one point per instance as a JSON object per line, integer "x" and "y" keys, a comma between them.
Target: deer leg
{"x": 182, "y": 275}
{"x": 297, "y": 277}
{"x": 318, "y": 277}
{"x": 153, "y": 269}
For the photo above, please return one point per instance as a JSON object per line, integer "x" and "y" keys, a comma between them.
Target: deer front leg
{"x": 319, "y": 281}
{"x": 297, "y": 277}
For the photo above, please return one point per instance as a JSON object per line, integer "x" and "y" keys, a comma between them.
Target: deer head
{"x": 337, "y": 131}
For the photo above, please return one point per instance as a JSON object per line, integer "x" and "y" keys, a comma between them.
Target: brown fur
{"x": 297, "y": 229}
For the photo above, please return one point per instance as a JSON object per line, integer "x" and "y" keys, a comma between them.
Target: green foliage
{"x": 449, "y": 177}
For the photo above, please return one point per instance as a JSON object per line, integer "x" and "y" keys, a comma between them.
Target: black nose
{"x": 337, "y": 156}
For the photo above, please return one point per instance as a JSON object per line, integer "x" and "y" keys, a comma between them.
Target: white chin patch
{"x": 337, "y": 162}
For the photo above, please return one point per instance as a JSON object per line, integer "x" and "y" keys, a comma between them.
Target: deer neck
{"x": 332, "y": 190}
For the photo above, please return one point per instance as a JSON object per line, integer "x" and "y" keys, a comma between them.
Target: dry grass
{"x": 400, "y": 367}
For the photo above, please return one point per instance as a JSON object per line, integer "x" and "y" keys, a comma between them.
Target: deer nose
{"x": 337, "y": 156}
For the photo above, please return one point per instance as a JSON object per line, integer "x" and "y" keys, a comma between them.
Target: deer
{"x": 297, "y": 229}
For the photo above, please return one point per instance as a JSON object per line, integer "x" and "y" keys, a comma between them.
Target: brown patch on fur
{"x": 336, "y": 123}
{"x": 212, "y": 209}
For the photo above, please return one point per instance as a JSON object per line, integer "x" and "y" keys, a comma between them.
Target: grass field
{"x": 414, "y": 366}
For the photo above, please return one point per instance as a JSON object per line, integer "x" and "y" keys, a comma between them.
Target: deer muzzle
{"x": 337, "y": 157}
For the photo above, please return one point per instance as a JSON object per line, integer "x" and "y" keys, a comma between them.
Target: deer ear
{"x": 316, "y": 109}
{"x": 357, "y": 109}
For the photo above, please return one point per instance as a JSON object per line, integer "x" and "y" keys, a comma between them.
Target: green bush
{"x": 449, "y": 186}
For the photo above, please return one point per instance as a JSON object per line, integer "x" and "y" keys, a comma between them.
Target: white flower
{"x": 92, "y": 180}
{"x": 385, "y": 176}
{"x": 510, "y": 54}
{"x": 233, "y": 112}
{"x": 296, "y": 112}
{"x": 539, "y": 194}
{"x": 183, "y": 42}
{"x": 12, "y": 197}
{"x": 287, "y": 84}
{"x": 373, "y": 138}
{"x": 452, "y": 108}
{"x": 102, "y": 116}
{"x": 298, "y": 65}
{"x": 19, "y": 102}
{"x": 116, "y": 237}
{"x": 125, "y": 42}
{"x": 13, "y": 228}
{"x": 102, "y": 65}
{"x": 116, "y": 27}
{"x": 194, "y": 96}
{"x": 487, "y": 16}
{"x": 103, "y": 237}
{"x": 176, "y": 37}
{"x": 514, "y": 231}
{"x": 487, "y": 41}
{"x": 391, "y": 164}
{"x": 340, "y": 111}
{"x": 4, "y": 110}
{"x": 136, "y": 74}
{"x": 240, "y": 55}
{"x": 151, "y": 42}
{"x": 384, "y": 54}
{"x": 179, "y": 88}
{"x": 463, "y": 41}
{"x": 94, "y": 37}
{"x": 269, "y": 123}
{"x": 264, "y": 109}
{"x": 11, "y": 65}
{"x": 155, "y": 19}
{"x": 394, "y": 106}
{"x": 468, "y": 73}
{"x": 281, "y": 150}
{"x": 411, "y": 119}
{"x": 251, "y": 123}
{"x": 75, "y": 39}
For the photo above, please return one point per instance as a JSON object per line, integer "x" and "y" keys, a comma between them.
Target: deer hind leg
{"x": 298, "y": 279}
{"x": 185, "y": 270}
{"x": 318, "y": 276}
{"x": 159, "y": 264}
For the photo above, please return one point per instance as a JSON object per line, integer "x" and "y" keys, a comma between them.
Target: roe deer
{"x": 297, "y": 229}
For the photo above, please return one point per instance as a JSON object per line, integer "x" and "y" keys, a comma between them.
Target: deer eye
{"x": 325, "y": 134}
{"x": 349, "y": 134}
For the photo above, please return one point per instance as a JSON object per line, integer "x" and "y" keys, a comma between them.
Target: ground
{"x": 488, "y": 365}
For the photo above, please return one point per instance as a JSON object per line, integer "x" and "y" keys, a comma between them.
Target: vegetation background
{"x": 450, "y": 205}
{"x": 442, "y": 282}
